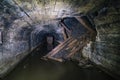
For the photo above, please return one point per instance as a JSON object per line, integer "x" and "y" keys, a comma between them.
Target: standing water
{"x": 33, "y": 68}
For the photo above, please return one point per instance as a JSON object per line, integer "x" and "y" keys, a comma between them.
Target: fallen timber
{"x": 73, "y": 44}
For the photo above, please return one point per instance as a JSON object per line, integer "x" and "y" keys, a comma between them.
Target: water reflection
{"x": 33, "y": 68}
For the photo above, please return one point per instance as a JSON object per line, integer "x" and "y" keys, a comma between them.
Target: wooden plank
{"x": 64, "y": 34}
{"x": 59, "y": 47}
{"x": 84, "y": 24}
{"x": 73, "y": 52}
{"x": 66, "y": 28}
{"x": 73, "y": 42}
{"x": 56, "y": 59}
{"x": 71, "y": 45}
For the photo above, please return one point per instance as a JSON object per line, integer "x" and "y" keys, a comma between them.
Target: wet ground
{"x": 33, "y": 68}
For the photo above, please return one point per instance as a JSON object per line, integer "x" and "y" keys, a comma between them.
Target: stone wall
{"x": 105, "y": 51}
{"x": 19, "y": 41}
{"x": 21, "y": 35}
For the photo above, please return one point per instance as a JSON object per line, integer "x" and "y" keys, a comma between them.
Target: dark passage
{"x": 82, "y": 35}
{"x": 33, "y": 68}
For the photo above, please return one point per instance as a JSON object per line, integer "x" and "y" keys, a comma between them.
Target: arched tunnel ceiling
{"x": 24, "y": 20}
{"x": 44, "y": 10}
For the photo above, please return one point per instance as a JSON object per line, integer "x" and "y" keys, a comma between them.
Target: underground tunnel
{"x": 59, "y": 39}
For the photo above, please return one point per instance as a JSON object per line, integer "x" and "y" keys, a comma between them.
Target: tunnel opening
{"x": 49, "y": 42}
{"x": 45, "y": 31}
